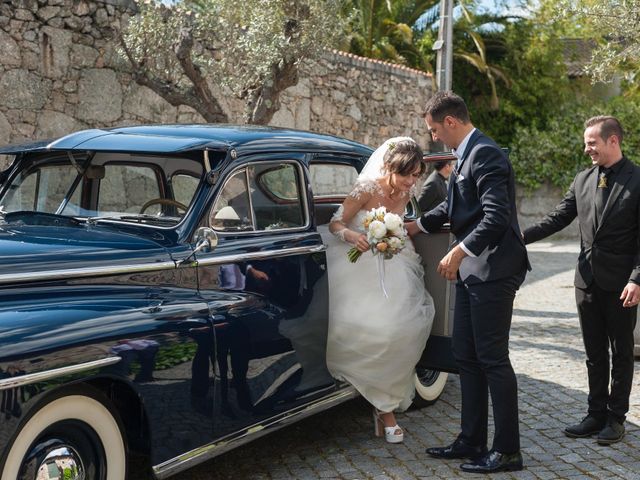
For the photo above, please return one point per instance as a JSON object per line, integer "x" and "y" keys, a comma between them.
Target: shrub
{"x": 555, "y": 153}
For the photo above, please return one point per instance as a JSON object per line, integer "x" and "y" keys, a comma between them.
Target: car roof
{"x": 183, "y": 138}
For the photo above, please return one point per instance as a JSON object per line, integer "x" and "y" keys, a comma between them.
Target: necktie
{"x": 602, "y": 192}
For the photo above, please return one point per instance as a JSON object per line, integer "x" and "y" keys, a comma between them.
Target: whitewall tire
{"x": 429, "y": 386}
{"x": 73, "y": 421}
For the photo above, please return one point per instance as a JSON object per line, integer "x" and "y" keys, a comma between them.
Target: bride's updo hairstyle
{"x": 404, "y": 157}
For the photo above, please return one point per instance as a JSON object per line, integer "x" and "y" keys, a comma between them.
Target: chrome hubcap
{"x": 427, "y": 377}
{"x": 60, "y": 461}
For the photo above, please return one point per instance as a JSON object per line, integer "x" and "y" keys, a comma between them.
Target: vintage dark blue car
{"x": 163, "y": 295}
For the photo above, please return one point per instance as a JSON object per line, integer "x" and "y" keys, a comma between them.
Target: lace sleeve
{"x": 365, "y": 187}
{"x": 362, "y": 191}
{"x": 337, "y": 219}
{"x": 337, "y": 216}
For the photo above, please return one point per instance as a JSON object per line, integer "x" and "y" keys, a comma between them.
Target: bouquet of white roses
{"x": 385, "y": 233}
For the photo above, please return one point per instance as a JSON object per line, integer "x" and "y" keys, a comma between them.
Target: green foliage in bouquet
{"x": 354, "y": 254}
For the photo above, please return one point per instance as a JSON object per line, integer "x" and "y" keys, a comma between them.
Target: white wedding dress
{"x": 375, "y": 342}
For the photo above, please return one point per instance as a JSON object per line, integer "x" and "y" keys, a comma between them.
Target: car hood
{"x": 36, "y": 252}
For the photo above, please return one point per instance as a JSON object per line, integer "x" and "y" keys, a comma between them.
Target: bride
{"x": 375, "y": 342}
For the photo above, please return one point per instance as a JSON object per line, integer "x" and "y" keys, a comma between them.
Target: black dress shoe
{"x": 458, "y": 449}
{"x": 611, "y": 433}
{"x": 589, "y": 425}
{"x": 495, "y": 461}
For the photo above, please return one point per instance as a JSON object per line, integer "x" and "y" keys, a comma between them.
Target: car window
{"x": 231, "y": 211}
{"x": 184, "y": 187}
{"x": 128, "y": 188}
{"x": 41, "y": 189}
{"x": 149, "y": 189}
{"x": 278, "y": 181}
{"x": 332, "y": 179}
{"x": 263, "y": 196}
{"x": 275, "y": 196}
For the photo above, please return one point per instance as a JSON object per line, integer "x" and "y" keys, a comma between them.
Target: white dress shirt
{"x": 459, "y": 152}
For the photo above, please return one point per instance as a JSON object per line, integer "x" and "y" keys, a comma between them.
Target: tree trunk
{"x": 176, "y": 96}
{"x": 264, "y": 100}
{"x": 198, "y": 96}
{"x": 209, "y": 107}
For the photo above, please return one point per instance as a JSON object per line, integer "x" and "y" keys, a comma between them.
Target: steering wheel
{"x": 163, "y": 201}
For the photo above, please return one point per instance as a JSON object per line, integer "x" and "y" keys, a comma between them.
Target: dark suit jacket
{"x": 434, "y": 191}
{"x": 610, "y": 253}
{"x": 481, "y": 208}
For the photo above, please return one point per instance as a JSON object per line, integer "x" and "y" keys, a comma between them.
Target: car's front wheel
{"x": 73, "y": 436}
{"x": 429, "y": 386}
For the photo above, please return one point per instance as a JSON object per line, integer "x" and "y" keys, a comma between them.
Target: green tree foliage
{"x": 615, "y": 22}
{"x": 182, "y": 50}
{"x": 478, "y": 46}
{"x": 528, "y": 51}
{"x": 554, "y": 152}
{"x": 390, "y": 30}
{"x": 521, "y": 60}
{"x": 385, "y": 29}
{"x": 542, "y": 115}
{"x": 470, "y": 31}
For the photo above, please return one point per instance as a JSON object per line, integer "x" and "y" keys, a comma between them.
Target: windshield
{"x": 123, "y": 186}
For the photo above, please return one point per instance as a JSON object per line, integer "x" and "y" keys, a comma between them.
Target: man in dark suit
{"x": 434, "y": 189}
{"x": 606, "y": 200}
{"x": 489, "y": 261}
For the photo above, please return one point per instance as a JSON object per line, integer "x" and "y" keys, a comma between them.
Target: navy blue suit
{"x": 481, "y": 210}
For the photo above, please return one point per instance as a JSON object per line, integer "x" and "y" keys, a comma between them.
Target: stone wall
{"x": 532, "y": 206}
{"x": 60, "y": 72}
{"x": 358, "y": 98}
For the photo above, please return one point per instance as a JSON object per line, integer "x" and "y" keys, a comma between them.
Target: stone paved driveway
{"x": 548, "y": 357}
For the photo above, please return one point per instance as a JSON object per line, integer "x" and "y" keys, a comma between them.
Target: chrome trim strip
{"x": 213, "y": 449}
{"x": 13, "y": 382}
{"x": 151, "y": 267}
{"x": 207, "y": 163}
{"x": 304, "y": 193}
{"x": 224, "y": 259}
{"x": 84, "y": 272}
{"x": 247, "y": 181}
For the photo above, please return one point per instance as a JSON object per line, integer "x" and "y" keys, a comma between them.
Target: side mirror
{"x": 205, "y": 239}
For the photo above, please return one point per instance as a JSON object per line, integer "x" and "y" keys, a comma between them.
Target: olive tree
{"x": 616, "y": 24}
{"x": 251, "y": 48}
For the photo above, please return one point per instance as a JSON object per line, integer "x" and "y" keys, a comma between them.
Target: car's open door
{"x": 437, "y": 354}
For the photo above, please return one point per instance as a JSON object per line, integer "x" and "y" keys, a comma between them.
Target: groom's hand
{"x": 450, "y": 263}
{"x": 412, "y": 228}
{"x": 630, "y": 295}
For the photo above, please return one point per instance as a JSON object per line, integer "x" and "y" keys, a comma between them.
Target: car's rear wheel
{"x": 73, "y": 436}
{"x": 429, "y": 386}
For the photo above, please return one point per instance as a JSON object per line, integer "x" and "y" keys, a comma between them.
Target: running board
{"x": 229, "y": 442}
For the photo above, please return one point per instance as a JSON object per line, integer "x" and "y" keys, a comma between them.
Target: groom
{"x": 489, "y": 261}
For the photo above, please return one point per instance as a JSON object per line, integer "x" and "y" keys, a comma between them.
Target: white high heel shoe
{"x": 391, "y": 434}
